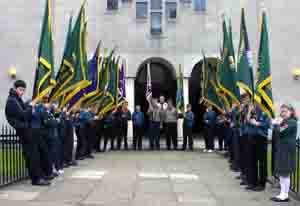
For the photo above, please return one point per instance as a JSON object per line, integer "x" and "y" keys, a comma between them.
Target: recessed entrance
{"x": 195, "y": 92}
{"x": 163, "y": 77}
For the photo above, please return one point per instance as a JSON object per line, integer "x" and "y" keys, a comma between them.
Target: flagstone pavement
{"x": 130, "y": 178}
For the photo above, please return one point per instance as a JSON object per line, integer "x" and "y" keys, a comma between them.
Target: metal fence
{"x": 295, "y": 180}
{"x": 12, "y": 164}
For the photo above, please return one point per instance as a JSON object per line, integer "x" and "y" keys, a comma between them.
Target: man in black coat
{"x": 19, "y": 117}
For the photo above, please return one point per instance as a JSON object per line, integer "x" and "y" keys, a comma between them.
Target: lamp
{"x": 296, "y": 73}
{"x": 12, "y": 72}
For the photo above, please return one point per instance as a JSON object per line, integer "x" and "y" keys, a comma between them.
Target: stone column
{"x": 129, "y": 86}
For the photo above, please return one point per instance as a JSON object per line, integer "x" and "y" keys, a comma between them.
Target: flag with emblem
{"x": 94, "y": 67}
{"x": 245, "y": 60}
{"x": 210, "y": 91}
{"x": 122, "y": 89}
{"x": 227, "y": 70}
{"x": 263, "y": 88}
{"x": 44, "y": 74}
{"x": 72, "y": 76}
{"x": 179, "y": 93}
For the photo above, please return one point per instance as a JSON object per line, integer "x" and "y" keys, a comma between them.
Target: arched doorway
{"x": 195, "y": 92}
{"x": 163, "y": 77}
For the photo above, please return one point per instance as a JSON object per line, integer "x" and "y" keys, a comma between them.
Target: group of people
{"x": 243, "y": 132}
{"x": 47, "y": 134}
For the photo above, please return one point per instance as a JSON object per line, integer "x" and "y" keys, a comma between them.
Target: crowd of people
{"x": 47, "y": 134}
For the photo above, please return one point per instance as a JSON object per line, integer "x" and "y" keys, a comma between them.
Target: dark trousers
{"x": 221, "y": 137}
{"x": 137, "y": 137}
{"x": 91, "y": 138}
{"x": 211, "y": 138}
{"x": 251, "y": 159}
{"x": 68, "y": 144}
{"x": 122, "y": 137}
{"x": 243, "y": 155}
{"x": 81, "y": 142}
{"x": 236, "y": 148}
{"x": 154, "y": 133}
{"x": 99, "y": 135}
{"x": 35, "y": 153}
{"x": 188, "y": 137}
{"x": 108, "y": 135}
{"x": 171, "y": 135}
{"x": 261, "y": 160}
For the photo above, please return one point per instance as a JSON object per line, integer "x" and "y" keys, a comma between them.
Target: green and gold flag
{"x": 179, "y": 93}
{"x": 245, "y": 60}
{"x": 210, "y": 91}
{"x": 227, "y": 71}
{"x": 72, "y": 76}
{"x": 263, "y": 91}
{"x": 44, "y": 74}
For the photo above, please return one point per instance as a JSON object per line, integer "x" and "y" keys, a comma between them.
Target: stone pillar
{"x": 129, "y": 86}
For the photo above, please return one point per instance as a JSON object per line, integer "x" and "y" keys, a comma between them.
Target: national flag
{"x": 210, "y": 91}
{"x": 179, "y": 94}
{"x": 44, "y": 74}
{"x": 72, "y": 76}
{"x": 263, "y": 91}
{"x": 149, "y": 83}
{"x": 227, "y": 70}
{"x": 245, "y": 60}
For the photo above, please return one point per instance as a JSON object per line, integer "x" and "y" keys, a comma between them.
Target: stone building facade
{"x": 180, "y": 42}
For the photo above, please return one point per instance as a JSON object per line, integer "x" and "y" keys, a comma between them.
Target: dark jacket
{"x": 138, "y": 119}
{"x": 38, "y": 117}
{"x": 189, "y": 119}
{"x": 125, "y": 117}
{"x": 210, "y": 119}
{"x": 17, "y": 113}
{"x": 263, "y": 127}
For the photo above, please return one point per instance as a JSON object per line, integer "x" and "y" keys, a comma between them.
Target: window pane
{"x": 156, "y": 4}
{"x": 200, "y": 5}
{"x": 112, "y": 4}
{"x": 156, "y": 21}
{"x": 141, "y": 9}
{"x": 171, "y": 10}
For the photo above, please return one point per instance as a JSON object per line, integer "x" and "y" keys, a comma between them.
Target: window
{"x": 112, "y": 4}
{"x": 200, "y": 5}
{"x": 171, "y": 9}
{"x": 156, "y": 4}
{"x": 156, "y": 22}
{"x": 141, "y": 9}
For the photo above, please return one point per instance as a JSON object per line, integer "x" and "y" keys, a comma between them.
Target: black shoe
{"x": 275, "y": 199}
{"x": 73, "y": 163}
{"x": 41, "y": 182}
{"x": 90, "y": 156}
{"x": 259, "y": 188}
{"x": 243, "y": 183}
{"x": 49, "y": 177}
{"x": 250, "y": 187}
{"x": 238, "y": 177}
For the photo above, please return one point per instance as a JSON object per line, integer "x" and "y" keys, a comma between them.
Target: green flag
{"x": 72, "y": 76}
{"x": 244, "y": 61}
{"x": 111, "y": 95}
{"x": 227, "y": 71}
{"x": 263, "y": 79}
{"x": 103, "y": 82}
{"x": 179, "y": 94}
{"x": 44, "y": 74}
{"x": 210, "y": 91}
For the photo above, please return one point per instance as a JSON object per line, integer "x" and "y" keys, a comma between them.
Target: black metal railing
{"x": 12, "y": 164}
{"x": 295, "y": 179}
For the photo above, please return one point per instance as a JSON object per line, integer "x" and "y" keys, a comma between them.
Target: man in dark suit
{"x": 19, "y": 116}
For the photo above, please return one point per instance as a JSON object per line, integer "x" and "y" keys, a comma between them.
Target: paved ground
{"x": 142, "y": 179}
